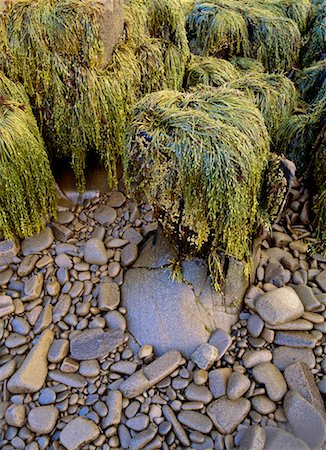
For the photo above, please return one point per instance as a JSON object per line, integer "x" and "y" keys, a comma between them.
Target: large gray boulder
{"x": 173, "y": 315}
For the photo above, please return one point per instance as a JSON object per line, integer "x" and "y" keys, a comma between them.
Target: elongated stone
{"x": 94, "y": 344}
{"x": 31, "y": 375}
{"x": 148, "y": 376}
{"x": 6, "y": 305}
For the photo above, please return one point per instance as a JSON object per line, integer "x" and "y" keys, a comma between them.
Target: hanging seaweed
{"x": 27, "y": 186}
{"x": 199, "y": 158}
{"x": 311, "y": 82}
{"x": 316, "y": 42}
{"x": 55, "y": 49}
{"x": 259, "y": 29}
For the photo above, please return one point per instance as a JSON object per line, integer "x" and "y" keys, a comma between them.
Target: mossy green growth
{"x": 199, "y": 158}
{"x": 55, "y": 49}
{"x": 262, "y": 29}
{"x": 316, "y": 39}
{"x": 275, "y": 95}
{"x": 27, "y": 187}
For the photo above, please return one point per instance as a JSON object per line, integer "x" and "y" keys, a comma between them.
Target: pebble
{"x": 108, "y": 296}
{"x": 177, "y": 427}
{"x": 27, "y": 265}
{"x": 6, "y": 306}
{"x": 263, "y": 404}
{"x": 238, "y": 385}
{"x": 115, "y": 320}
{"x": 15, "y": 415}
{"x": 255, "y": 325}
{"x": 5, "y": 276}
{"x": 58, "y": 350}
{"x": 205, "y": 356}
{"x": 218, "y": 381}
{"x": 269, "y": 375}
{"x": 47, "y": 396}
{"x": 279, "y": 306}
{"x": 321, "y": 280}
{"x": 198, "y": 393}
{"x": 8, "y": 251}
{"x": 295, "y": 339}
{"x": 145, "y": 351}
{"x": 20, "y": 326}
{"x": 227, "y": 414}
{"x": 129, "y": 254}
{"x": 285, "y": 356}
{"x": 31, "y": 375}
{"x": 138, "y": 423}
{"x": 95, "y": 252}
{"x": 195, "y": 421}
{"x": 7, "y": 369}
{"x": 94, "y": 343}
{"x": 33, "y": 287}
{"x": 43, "y": 419}
{"x": 252, "y": 358}
{"x": 69, "y": 379}
{"x": 307, "y": 297}
{"x": 114, "y": 404}
{"x": 105, "y": 215}
{"x": 89, "y": 368}
{"x": 140, "y": 440}
{"x": 78, "y": 432}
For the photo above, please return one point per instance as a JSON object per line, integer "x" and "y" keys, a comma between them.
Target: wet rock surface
{"x": 75, "y": 373}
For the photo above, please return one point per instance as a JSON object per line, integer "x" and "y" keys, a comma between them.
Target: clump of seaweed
{"x": 26, "y": 183}
{"x": 316, "y": 41}
{"x": 275, "y": 95}
{"x": 54, "y": 48}
{"x": 199, "y": 157}
{"x": 263, "y": 30}
{"x": 311, "y": 82}
{"x": 210, "y": 71}
{"x": 246, "y": 65}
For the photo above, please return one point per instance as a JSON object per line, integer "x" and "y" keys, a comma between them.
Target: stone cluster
{"x": 72, "y": 376}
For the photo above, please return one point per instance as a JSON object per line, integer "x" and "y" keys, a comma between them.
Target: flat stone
{"x": 15, "y": 340}
{"x": 115, "y": 320}
{"x": 6, "y": 305}
{"x": 218, "y": 381}
{"x": 238, "y": 385}
{"x": 295, "y": 339}
{"x": 295, "y": 325}
{"x": 31, "y": 375}
{"x": 129, "y": 254}
{"x": 140, "y": 440}
{"x": 95, "y": 252}
{"x": 306, "y": 421}
{"x": 195, "y": 421}
{"x": 307, "y": 297}
{"x": 227, "y": 414}
{"x": 114, "y": 404}
{"x": 38, "y": 243}
{"x": 8, "y": 251}
{"x": 150, "y": 375}
{"x": 177, "y": 319}
{"x": 65, "y": 217}
{"x": 281, "y": 239}
{"x": 253, "y": 438}
{"x": 79, "y": 432}
{"x": 279, "y": 306}
{"x": 263, "y": 405}
{"x": 20, "y": 326}
{"x": 42, "y": 419}
{"x": 321, "y": 280}
{"x": 221, "y": 340}
{"x": 194, "y": 393}
{"x": 205, "y": 356}
{"x": 108, "y": 296}
{"x": 255, "y": 325}
{"x": 89, "y": 368}
{"x": 95, "y": 343}
{"x": 7, "y": 369}
{"x": 5, "y": 276}
{"x": 276, "y": 438}
{"x": 33, "y": 287}
{"x": 299, "y": 378}
{"x": 61, "y": 232}
{"x": 272, "y": 378}
{"x": 124, "y": 367}
{"x": 285, "y": 356}
{"x": 61, "y": 308}
{"x": 105, "y": 215}
{"x": 69, "y": 379}
{"x": 27, "y": 265}
{"x": 138, "y": 423}
{"x": 58, "y": 350}
{"x": 252, "y": 358}
{"x": 116, "y": 199}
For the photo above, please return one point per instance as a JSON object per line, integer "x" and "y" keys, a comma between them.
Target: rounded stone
{"x": 43, "y": 419}
{"x": 95, "y": 252}
{"x": 47, "y": 396}
{"x": 15, "y": 415}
